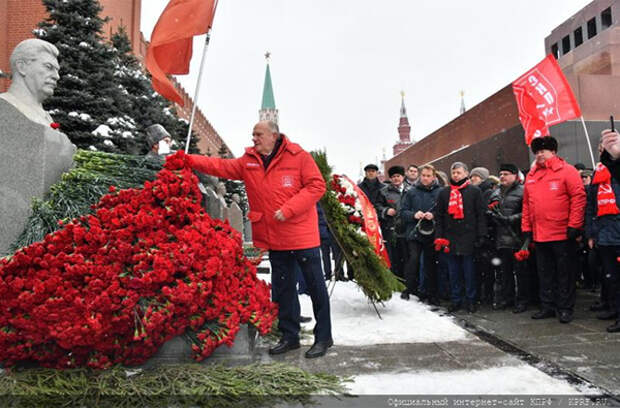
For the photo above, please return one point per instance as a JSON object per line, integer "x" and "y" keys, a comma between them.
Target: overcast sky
{"x": 338, "y": 66}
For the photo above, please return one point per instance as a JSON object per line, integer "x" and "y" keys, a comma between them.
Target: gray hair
{"x": 273, "y": 126}
{"x": 457, "y": 165}
{"x": 29, "y": 50}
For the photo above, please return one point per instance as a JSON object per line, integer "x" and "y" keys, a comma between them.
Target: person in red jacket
{"x": 554, "y": 202}
{"x": 283, "y": 185}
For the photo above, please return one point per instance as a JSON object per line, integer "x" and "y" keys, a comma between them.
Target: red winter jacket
{"x": 292, "y": 183}
{"x": 553, "y": 200}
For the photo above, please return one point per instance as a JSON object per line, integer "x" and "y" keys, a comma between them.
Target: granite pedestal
{"x": 32, "y": 158}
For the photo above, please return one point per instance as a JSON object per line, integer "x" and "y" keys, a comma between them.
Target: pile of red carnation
{"x": 112, "y": 287}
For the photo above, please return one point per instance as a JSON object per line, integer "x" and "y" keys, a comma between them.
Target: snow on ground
{"x": 355, "y": 322}
{"x": 521, "y": 379}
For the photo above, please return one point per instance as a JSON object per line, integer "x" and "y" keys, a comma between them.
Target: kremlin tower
{"x": 268, "y": 109}
{"x": 404, "y": 129}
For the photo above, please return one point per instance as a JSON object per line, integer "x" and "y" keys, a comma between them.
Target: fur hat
{"x": 509, "y": 167}
{"x": 396, "y": 170}
{"x": 544, "y": 143}
{"x": 481, "y": 172}
{"x": 371, "y": 167}
{"x": 155, "y": 133}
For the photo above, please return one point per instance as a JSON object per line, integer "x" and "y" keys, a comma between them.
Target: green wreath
{"x": 371, "y": 274}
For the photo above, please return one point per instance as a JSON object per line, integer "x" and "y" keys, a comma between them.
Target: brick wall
{"x": 210, "y": 141}
{"x": 493, "y": 116}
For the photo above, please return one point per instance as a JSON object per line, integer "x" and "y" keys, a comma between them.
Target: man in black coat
{"x": 390, "y": 220}
{"x": 416, "y": 209}
{"x": 371, "y": 186}
{"x": 460, "y": 226}
{"x": 508, "y": 239}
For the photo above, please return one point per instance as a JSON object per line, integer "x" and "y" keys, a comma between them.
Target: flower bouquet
{"x": 112, "y": 286}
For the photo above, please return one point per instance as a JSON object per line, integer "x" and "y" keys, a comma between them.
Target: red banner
{"x": 544, "y": 98}
{"x": 170, "y": 49}
{"x": 371, "y": 223}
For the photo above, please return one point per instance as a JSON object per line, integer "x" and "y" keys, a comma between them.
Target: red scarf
{"x": 605, "y": 197}
{"x": 455, "y": 205}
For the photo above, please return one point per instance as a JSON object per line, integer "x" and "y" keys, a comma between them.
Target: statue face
{"x": 41, "y": 75}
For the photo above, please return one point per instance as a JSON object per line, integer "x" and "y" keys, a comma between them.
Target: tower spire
{"x": 404, "y": 129}
{"x": 463, "y": 109}
{"x": 268, "y": 109}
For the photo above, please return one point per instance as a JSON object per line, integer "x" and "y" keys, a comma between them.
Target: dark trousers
{"x": 443, "y": 276}
{"x": 611, "y": 274}
{"x": 397, "y": 251}
{"x": 485, "y": 273}
{"x": 556, "y": 277}
{"x": 461, "y": 267}
{"x": 426, "y": 252}
{"x": 326, "y": 251}
{"x": 283, "y": 292}
{"x": 511, "y": 272}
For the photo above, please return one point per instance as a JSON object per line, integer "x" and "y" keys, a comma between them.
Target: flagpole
{"x": 588, "y": 140}
{"x": 197, "y": 91}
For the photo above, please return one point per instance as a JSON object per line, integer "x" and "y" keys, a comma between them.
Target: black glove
{"x": 500, "y": 217}
{"x": 573, "y": 233}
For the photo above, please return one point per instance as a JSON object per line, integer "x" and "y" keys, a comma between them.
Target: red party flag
{"x": 371, "y": 224}
{"x": 170, "y": 49}
{"x": 544, "y": 98}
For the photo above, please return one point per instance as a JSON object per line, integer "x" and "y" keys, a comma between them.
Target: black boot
{"x": 454, "y": 307}
{"x": 614, "y": 328}
{"x": 283, "y": 346}
{"x": 566, "y": 316}
{"x": 404, "y": 295}
{"x": 319, "y": 348}
{"x": 607, "y": 315}
{"x": 543, "y": 314}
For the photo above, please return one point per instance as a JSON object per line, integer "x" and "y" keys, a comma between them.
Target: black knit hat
{"x": 371, "y": 167}
{"x": 396, "y": 170}
{"x": 544, "y": 143}
{"x": 509, "y": 167}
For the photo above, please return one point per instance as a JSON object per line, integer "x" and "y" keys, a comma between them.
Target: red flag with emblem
{"x": 371, "y": 224}
{"x": 170, "y": 49}
{"x": 544, "y": 98}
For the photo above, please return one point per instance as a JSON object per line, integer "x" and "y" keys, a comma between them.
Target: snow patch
{"x": 521, "y": 379}
{"x": 402, "y": 321}
{"x": 92, "y": 148}
{"x": 102, "y": 131}
{"x": 109, "y": 143}
{"x": 83, "y": 116}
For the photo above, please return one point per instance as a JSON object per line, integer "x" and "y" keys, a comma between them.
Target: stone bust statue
{"x": 34, "y": 67}
{"x": 33, "y": 154}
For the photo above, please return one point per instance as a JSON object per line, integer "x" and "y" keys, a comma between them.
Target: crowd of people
{"x": 520, "y": 239}
{"x": 515, "y": 240}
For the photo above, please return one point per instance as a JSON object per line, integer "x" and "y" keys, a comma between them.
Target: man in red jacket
{"x": 554, "y": 202}
{"x": 283, "y": 184}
